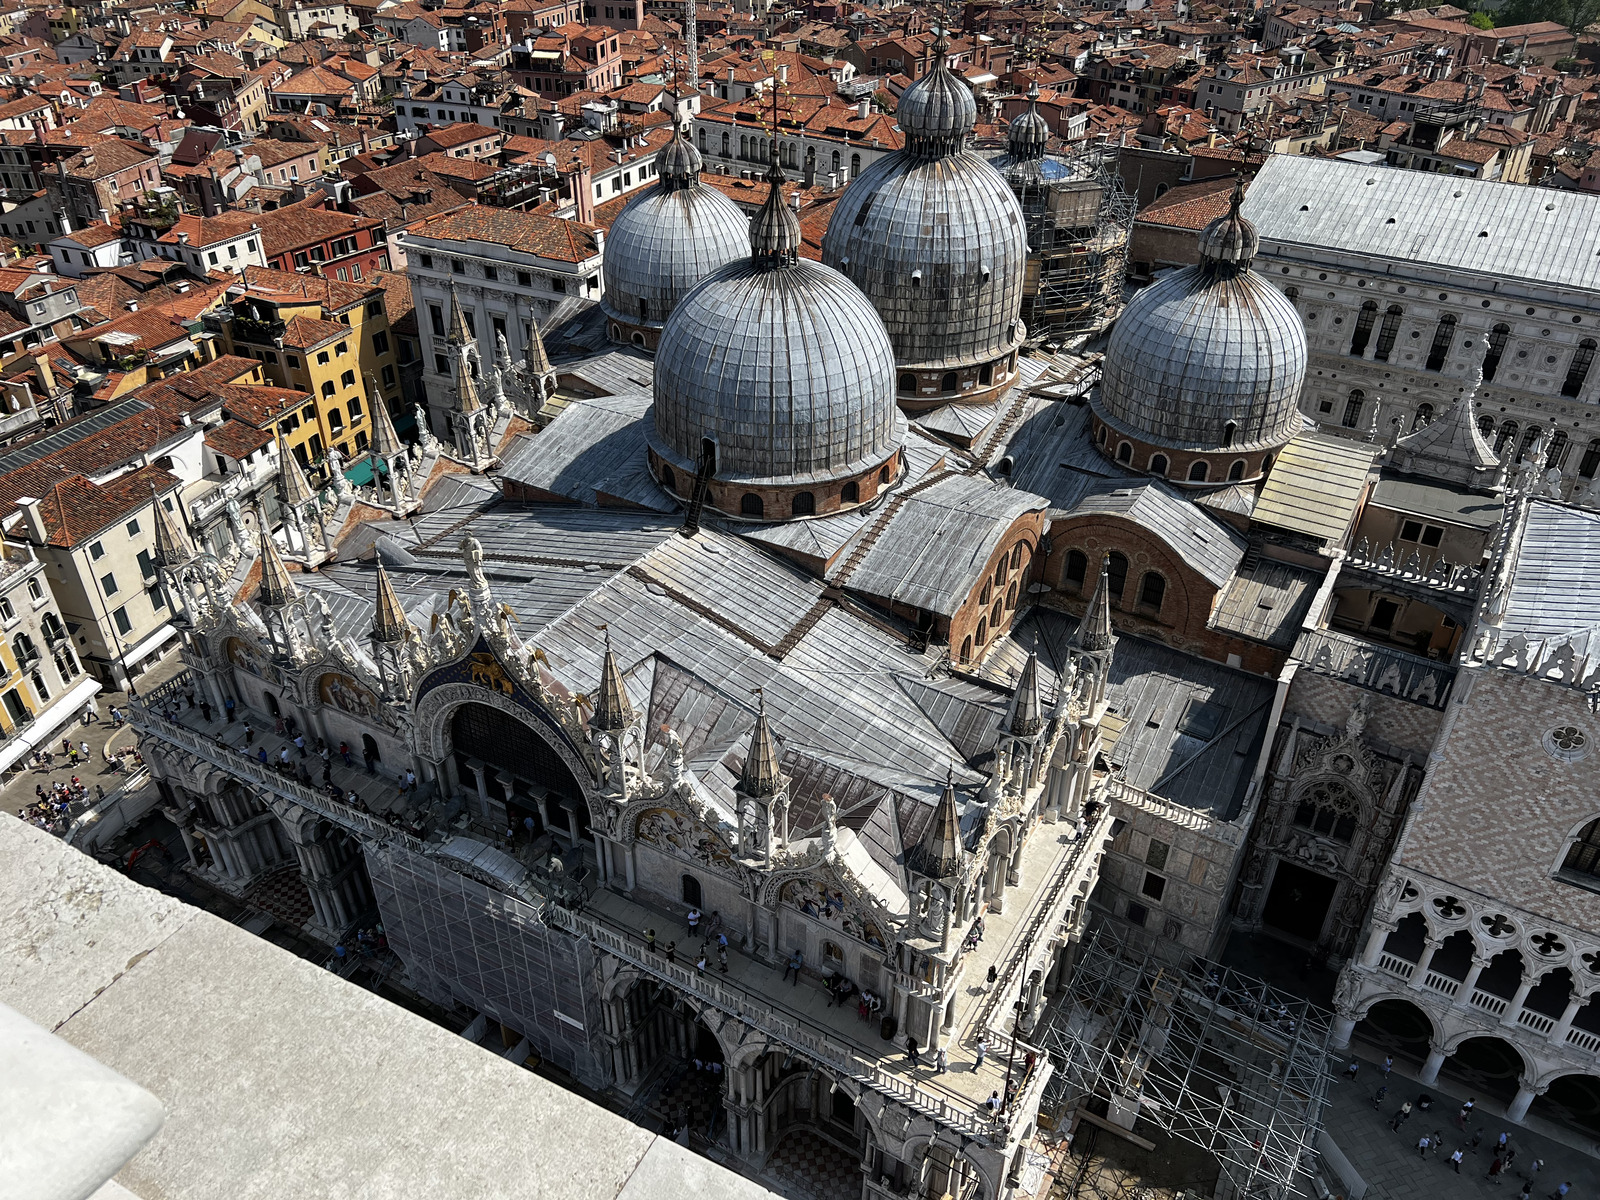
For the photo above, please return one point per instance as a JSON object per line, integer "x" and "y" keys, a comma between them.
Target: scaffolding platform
{"x": 1202, "y": 1053}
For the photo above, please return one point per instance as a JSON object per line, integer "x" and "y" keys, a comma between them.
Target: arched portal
{"x": 1487, "y": 1066}
{"x": 1572, "y": 1100}
{"x": 1397, "y": 1025}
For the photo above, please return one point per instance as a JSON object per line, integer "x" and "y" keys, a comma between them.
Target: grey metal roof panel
{"x": 460, "y": 493}
{"x": 1267, "y": 603}
{"x": 1194, "y": 727}
{"x": 1441, "y": 501}
{"x": 1553, "y": 590}
{"x": 1052, "y": 452}
{"x": 936, "y": 546}
{"x": 614, "y": 372}
{"x": 546, "y": 534}
{"x": 1413, "y": 217}
{"x": 1239, "y": 499}
{"x": 1316, "y": 485}
{"x": 593, "y": 447}
{"x": 1205, "y": 543}
{"x": 965, "y": 421}
{"x": 764, "y": 596}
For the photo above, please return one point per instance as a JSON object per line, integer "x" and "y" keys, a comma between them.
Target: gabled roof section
{"x": 1203, "y": 542}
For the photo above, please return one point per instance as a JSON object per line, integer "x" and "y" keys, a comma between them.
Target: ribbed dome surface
{"x": 1028, "y": 135}
{"x": 664, "y": 243}
{"x": 939, "y": 247}
{"x": 788, "y": 368}
{"x": 1200, "y": 348}
{"x": 937, "y": 109}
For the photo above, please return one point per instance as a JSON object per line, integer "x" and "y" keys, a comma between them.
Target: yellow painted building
{"x": 323, "y": 337}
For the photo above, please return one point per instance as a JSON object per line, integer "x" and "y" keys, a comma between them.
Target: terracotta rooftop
{"x": 77, "y": 508}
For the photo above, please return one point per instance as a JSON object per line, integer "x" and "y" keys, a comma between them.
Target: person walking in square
{"x": 1455, "y": 1159}
{"x": 1350, "y": 1071}
{"x": 1465, "y": 1114}
{"x": 911, "y": 1051}
{"x": 1422, "y": 1146}
{"x": 1388, "y": 1064}
{"x": 1495, "y": 1168}
{"x": 1400, "y": 1117}
{"x": 796, "y": 961}
{"x": 941, "y": 1060}
{"x": 1561, "y": 1192}
{"x": 983, "y": 1048}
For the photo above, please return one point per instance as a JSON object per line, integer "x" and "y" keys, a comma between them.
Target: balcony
{"x": 258, "y": 333}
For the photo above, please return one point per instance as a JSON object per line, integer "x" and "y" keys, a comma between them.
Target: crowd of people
{"x": 53, "y": 809}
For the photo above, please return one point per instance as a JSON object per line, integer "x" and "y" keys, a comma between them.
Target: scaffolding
{"x": 1078, "y": 221}
{"x": 1205, "y": 1054}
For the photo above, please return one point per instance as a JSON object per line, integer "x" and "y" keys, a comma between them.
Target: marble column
{"x": 481, "y": 785}
{"x": 1558, "y": 1035}
{"x": 1430, "y": 947}
{"x": 1375, "y": 941}
{"x": 1526, "y": 1092}
{"x": 1463, "y": 996}
{"x": 1514, "y": 1006}
{"x": 1343, "y": 1027}
{"x": 1435, "y": 1060}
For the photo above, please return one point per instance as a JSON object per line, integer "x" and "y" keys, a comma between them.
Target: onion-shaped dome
{"x": 782, "y": 362}
{"x": 1210, "y": 357}
{"x": 934, "y": 236}
{"x": 668, "y": 239}
{"x": 1029, "y": 133}
{"x": 937, "y": 112}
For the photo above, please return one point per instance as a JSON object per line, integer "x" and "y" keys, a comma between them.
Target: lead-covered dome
{"x": 1209, "y": 358}
{"x": 666, "y": 241}
{"x": 783, "y": 364}
{"x": 935, "y": 238}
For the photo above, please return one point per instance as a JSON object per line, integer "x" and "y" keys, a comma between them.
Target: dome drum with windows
{"x": 1203, "y": 371}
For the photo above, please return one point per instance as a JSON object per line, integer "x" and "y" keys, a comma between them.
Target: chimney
{"x": 582, "y": 192}
{"x": 47, "y": 375}
{"x": 105, "y": 216}
{"x": 864, "y": 108}
{"x": 783, "y": 72}
{"x": 33, "y": 517}
{"x": 132, "y": 306}
{"x": 66, "y": 221}
{"x": 184, "y": 418}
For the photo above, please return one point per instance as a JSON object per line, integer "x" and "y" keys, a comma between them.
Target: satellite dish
{"x": 550, "y": 160}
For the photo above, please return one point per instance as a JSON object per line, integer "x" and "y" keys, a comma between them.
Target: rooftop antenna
{"x": 691, "y": 38}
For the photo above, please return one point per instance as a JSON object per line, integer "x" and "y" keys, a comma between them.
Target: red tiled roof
{"x": 77, "y": 508}
{"x": 548, "y": 237}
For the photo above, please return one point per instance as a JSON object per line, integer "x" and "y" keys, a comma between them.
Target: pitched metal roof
{"x": 1414, "y": 217}
{"x": 936, "y": 546}
{"x": 1267, "y": 603}
{"x": 1553, "y": 589}
{"x": 1202, "y": 541}
{"x": 1315, "y": 486}
{"x": 1193, "y": 728}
